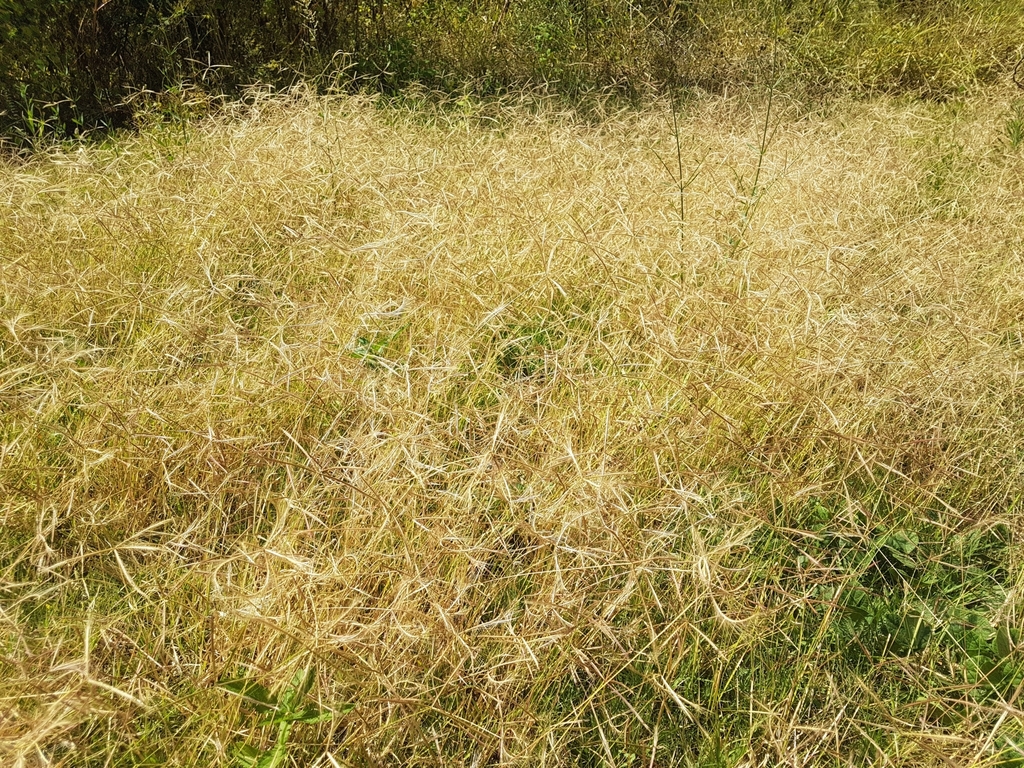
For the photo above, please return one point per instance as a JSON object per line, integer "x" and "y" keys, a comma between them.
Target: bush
{"x": 71, "y": 64}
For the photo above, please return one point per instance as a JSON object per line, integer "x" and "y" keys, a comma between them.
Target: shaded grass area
{"x": 76, "y": 67}
{"x": 344, "y": 432}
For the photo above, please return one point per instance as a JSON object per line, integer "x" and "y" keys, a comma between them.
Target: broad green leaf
{"x": 247, "y": 755}
{"x": 302, "y": 682}
{"x": 253, "y": 693}
{"x": 275, "y": 756}
{"x": 912, "y": 634}
{"x": 1004, "y": 641}
{"x": 899, "y": 546}
{"x": 905, "y": 541}
{"x": 312, "y": 714}
{"x": 856, "y": 613}
{"x": 308, "y": 714}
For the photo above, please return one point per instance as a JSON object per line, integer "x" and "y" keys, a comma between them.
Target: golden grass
{"x": 440, "y": 402}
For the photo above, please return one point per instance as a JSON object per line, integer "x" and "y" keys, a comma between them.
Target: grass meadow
{"x": 346, "y": 431}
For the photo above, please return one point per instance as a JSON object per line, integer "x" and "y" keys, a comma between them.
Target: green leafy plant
{"x": 282, "y": 711}
{"x": 987, "y": 655}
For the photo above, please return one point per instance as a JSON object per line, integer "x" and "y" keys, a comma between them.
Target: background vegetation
{"x": 73, "y": 64}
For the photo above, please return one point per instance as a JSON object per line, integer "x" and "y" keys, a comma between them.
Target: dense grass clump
{"x": 335, "y": 432}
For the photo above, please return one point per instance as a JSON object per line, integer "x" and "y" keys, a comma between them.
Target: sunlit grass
{"x": 444, "y": 404}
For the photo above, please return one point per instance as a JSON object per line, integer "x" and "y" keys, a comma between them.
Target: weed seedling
{"x": 282, "y": 711}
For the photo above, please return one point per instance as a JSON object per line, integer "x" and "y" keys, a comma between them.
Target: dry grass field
{"x": 336, "y": 432}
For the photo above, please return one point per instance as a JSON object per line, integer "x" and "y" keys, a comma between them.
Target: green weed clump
{"x": 343, "y": 432}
